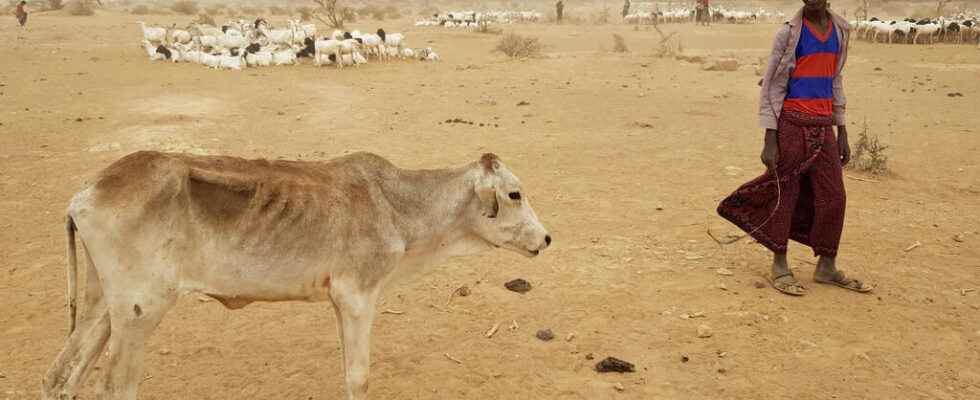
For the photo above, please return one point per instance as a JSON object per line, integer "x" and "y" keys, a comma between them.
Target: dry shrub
{"x": 518, "y": 46}
{"x": 80, "y": 8}
{"x": 216, "y": 9}
{"x": 141, "y": 9}
{"x": 869, "y": 154}
{"x": 602, "y": 17}
{"x": 485, "y": 27}
{"x": 56, "y": 4}
{"x": 305, "y": 13}
{"x": 276, "y": 10}
{"x": 250, "y": 11}
{"x": 619, "y": 44}
{"x": 335, "y": 12}
{"x": 185, "y": 7}
{"x": 392, "y": 12}
{"x": 428, "y": 11}
{"x": 205, "y": 19}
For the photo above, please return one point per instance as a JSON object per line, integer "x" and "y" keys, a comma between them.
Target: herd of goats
{"x": 688, "y": 14}
{"x": 959, "y": 29}
{"x": 473, "y": 19}
{"x": 240, "y": 44}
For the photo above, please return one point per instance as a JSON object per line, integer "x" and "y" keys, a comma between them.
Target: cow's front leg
{"x": 355, "y": 311}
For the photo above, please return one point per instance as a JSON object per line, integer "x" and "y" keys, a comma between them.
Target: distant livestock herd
{"x": 473, "y": 19}
{"x": 241, "y": 44}
{"x": 688, "y": 14}
{"x": 910, "y": 30}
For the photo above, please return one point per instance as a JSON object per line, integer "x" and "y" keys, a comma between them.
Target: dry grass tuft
{"x": 619, "y": 44}
{"x": 518, "y": 46}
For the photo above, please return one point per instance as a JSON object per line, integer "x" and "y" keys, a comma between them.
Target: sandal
{"x": 842, "y": 281}
{"x": 790, "y": 286}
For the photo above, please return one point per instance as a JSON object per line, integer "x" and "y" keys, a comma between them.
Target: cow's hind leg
{"x": 134, "y": 315}
{"x": 355, "y": 310}
{"x": 83, "y": 346}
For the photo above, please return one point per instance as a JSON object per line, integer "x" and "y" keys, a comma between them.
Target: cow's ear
{"x": 490, "y": 163}
{"x": 487, "y": 194}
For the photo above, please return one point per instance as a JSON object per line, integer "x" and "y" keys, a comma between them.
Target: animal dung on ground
{"x": 518, "y": 285}
{"x": 545, "y": 335}
{"x": 955, "y": 94}
{"x": 523, "y": 103}
{"x": 613, "y": 364}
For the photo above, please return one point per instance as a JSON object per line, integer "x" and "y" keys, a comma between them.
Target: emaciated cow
{"x": 156, "y": 226}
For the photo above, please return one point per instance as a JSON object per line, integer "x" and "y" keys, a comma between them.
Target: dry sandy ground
{"x": 626, "y": 202}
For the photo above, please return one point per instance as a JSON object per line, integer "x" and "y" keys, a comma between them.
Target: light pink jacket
{"x": 782, "y": 62}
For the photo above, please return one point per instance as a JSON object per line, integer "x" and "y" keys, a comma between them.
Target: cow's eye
{"x": 514, "y": 195}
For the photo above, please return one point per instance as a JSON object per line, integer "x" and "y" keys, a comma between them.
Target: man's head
{"x": 815, "y": 5}
{"x": 23, "y": 3}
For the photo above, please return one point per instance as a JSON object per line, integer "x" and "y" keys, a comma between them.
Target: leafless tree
{"x": 334, "y": 11}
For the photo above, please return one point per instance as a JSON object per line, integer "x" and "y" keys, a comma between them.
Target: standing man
{"x": 559, "y": 10}
{"x": 21, "y": 13}
{"x": 704, "y": 12}
{"x": 801, "y": 196}
{"x": 626, "y": 8}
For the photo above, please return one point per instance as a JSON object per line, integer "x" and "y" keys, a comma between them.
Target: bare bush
{"x": 216, "y": 10}
{"x": 428, "y": 11}
{"x": 80, "y": 8}
{"x": 869, "y": 154}
{"x": 276, "y": 10}
{"x": 205, "y": 19}
{"x": 250, "y": 11}
{"x": 56, "y": 4}
{"x": 305, "y": 13}
{"x": 602, "y": 17}
{"x": 141, "y": 9}
{"x": 619, "y": 44}
{"x": 392, "y": 12}
{"x": 185, "y": 7}
{"x": 335, "y": 12}
{"x": 518, "y": 46}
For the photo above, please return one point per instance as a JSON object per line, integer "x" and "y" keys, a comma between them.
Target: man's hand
{"x": 770, "y": 151}
{"x": 843, "y": 145}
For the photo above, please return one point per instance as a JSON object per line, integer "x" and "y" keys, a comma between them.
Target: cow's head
{"x": 507, "y": 219}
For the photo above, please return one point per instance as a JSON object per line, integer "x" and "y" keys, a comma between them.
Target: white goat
{"x": 153, "y": 34}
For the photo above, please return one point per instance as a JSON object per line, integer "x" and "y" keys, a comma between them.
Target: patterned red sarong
{"x": 812, "y": 200}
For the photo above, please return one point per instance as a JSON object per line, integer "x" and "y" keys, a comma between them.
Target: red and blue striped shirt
{"x": 811, "y": 86}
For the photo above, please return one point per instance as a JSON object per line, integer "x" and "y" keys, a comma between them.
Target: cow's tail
{"x": 72, "y": 267}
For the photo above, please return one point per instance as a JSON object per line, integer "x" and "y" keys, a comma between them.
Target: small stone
{"x": 2, "y": 375}
{"x": 685, "y": 359}
{"x": 590, "y": 356}
{"x": 959, "y": 238}
{"x": 722, "y": 370}
{"x": 619, "y": 387}
{"x": 545, "y": 335}
{"x": 704, "y": 331}
{"x": 722, "y": 286}
{"x": 518, "y": 285}
{"x": 523, "y": 103}
{"x": 721, "y": 354}
{"x": 164, "y": 352}
{"x": 759, "y": 284}
{"x": 724, "y": 271}
{"x": 463, "y": 291}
